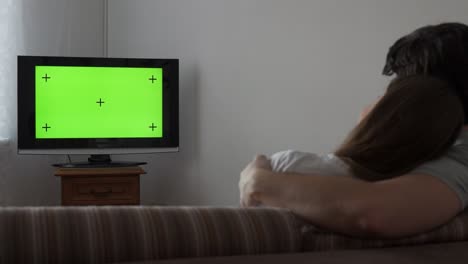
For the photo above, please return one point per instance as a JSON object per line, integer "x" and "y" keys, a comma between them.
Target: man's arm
{"x": 398, "y": 207}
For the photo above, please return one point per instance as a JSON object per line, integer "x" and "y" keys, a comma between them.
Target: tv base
{"x": 99, "y": 161}
{"x": 113, "y": 164}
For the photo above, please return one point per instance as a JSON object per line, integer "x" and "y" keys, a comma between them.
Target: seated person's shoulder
{"x": 459, "y": 150}
{"x": 284, "y": 160}
{"x": 308, "y": 163}
{"x": 451, "y": 168}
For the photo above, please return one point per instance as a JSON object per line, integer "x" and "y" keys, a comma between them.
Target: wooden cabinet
{"x": 100, "y": 186}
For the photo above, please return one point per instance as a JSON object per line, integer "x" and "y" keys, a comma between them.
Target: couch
{"x": 149, "y": 234}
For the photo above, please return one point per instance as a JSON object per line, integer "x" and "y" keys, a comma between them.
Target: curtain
{"x": 41, "y": 28}
{"x": 10, "y": 46}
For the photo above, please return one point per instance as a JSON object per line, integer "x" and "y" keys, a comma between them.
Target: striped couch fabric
{"x": 315, "y": 239}
{"x": 114, "y": 234}
{"x": 110, "y": 234}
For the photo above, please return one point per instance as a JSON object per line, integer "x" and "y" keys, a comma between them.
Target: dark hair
{"x": 416, "y": 120}
{"x": 436, "y": 50}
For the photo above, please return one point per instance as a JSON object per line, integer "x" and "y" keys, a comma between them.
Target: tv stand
{"x": 100, "y": 186}
{"x": 99, "y": 161}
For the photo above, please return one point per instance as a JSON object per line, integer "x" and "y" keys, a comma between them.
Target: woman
{"x": 416, "y": 120}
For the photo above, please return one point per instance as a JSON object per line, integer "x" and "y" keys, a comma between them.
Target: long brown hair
{"x": 417, "y": 119}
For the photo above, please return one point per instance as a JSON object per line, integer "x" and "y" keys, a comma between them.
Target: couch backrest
{"x": 115, "y": 233}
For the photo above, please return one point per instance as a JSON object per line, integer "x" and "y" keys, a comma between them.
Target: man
{"x": 415, "y": 202}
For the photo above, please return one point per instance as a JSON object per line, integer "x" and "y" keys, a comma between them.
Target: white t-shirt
{"x": 452, "y": 168}
{"x": 310, "y": 163}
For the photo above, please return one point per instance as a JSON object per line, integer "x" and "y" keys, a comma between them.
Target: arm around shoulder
{"x": 410, "y": 204}
{"x": 398, "y": 207}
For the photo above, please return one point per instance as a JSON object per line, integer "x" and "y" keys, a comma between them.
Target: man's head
{"x": 437, "y": 50}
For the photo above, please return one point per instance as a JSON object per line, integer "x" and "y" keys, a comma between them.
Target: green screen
{"x": 98, "y": 102}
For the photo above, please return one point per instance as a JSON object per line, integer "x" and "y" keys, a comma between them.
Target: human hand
{"x": 248, "y": 180}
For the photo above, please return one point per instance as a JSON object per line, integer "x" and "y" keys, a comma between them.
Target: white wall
{"x": 258, "y": 76}
{"x": 63, "y": 27}
{"x": 49, "y": 27}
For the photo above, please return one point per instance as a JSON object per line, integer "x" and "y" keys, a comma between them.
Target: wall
{"x": 54, "y": 28}
{"x": 259, "y": 76}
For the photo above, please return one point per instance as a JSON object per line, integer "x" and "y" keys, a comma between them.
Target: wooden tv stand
{"x": 100, "y": 186}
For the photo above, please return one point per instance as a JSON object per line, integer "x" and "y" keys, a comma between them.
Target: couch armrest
{"x": 112, "y": 234}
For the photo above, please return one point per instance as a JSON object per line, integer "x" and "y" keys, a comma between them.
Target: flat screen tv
{"x": 97, "y": 106}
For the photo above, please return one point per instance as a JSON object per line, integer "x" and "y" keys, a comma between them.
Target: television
{"x": 97, "y": 106}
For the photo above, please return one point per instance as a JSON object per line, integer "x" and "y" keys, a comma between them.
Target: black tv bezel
{"x": 26, "y": 108}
